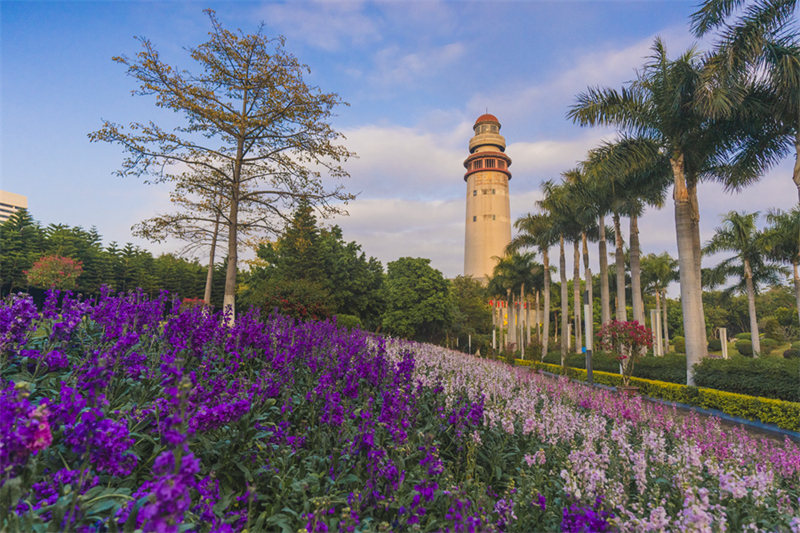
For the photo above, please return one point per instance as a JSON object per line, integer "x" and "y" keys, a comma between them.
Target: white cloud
{"x": 393, "y": 228}
{"x": 605, "y": 67}
{"x": 326, "y": 25}
{"x": 395, "y": 68}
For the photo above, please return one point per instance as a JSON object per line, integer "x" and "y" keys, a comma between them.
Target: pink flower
{"x": 42, "y": 437}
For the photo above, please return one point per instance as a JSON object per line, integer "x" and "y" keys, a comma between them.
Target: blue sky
{"x": 416, "y": 75}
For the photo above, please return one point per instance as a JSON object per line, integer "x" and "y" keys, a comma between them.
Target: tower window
{"x": 501, "y": 164}
{"x": 477, "y": 164}
{"x": 474, "y": 192}
{"x": 493, "y": 217}
{"x": 493, "y": 191}
{"x": 474, "y": 219}
{"x": 490, "y": 163}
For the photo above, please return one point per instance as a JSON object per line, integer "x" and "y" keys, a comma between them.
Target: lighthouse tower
{"x": 488, "y": 221}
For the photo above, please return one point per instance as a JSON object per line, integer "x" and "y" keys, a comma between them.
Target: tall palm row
{"x": 538, "y": 231}
{"x": 663, "y": 105}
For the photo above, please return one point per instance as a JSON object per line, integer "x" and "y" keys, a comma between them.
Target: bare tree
{"x": 253, "y": 126}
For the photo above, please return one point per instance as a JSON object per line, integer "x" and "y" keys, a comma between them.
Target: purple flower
{"x": 576, "y": 519}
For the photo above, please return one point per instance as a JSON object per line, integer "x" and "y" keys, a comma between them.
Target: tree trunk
{"x": 636, "y": 272}
{"x": 665, "y": 329}
{"x": 576, "y": 293}
{"x": 751, "y": 308}
{"x": 796, "y": 173}
{"x": 796, "y": 286}
{"x": 229, "y": 299}
{"x": 659, "y": 341}
{"x": 622, "y": 314}
{"x": 562, "y": 263}
{"x": 546, "y": 303}
{"x": 698, "y": 252}
{"x": 588, "y": 276}
{"x": 605, "y": 300}
{"x": 211, "y": 256}
{"x": 691, "y": 300}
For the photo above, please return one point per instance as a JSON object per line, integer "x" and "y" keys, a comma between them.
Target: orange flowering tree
{"x": 628, "y": 340}
{"x": 54, "y": 271}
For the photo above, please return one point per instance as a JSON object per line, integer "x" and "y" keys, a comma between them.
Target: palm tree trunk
{"x": 751, "y": 308}
{"x": 211, "y": 255}
{"x": 562, "y": 264}
{"x": 796, "y": 286}
{"x": 546, "y": 303}
{"x": 796, "y": 173}
{"x": 605, "y": 300}
{"x": 664, "y": 320}
{"x": 691, "y": 299}
{"x": 698, "y": 253}
{"x": 622, "y": 315}
{"x": 576, "y": 293}
{"x": 636, "y": 272}
{"x": 658, "y": 347}
{"x": 588, "y": 276}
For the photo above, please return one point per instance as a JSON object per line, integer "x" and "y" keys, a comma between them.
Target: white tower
{"x": 488, "y": 221}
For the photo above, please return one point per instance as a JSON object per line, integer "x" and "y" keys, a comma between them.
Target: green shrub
{"x": 769, "y": 377}
{"x": 791, "y": 353}
{"x": 680, "y": 344}
{"x": 715, "y": 345}
{"x": 796, "y": 345}
{"x": 745, "y": 348}
{"x": 743, "y": 336}
{"x": 771, "y": 327}
{"x": 768, "y": 345}
{"x": 348, "y": 321}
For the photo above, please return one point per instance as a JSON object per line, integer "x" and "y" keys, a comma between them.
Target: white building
{"x": 11, "y": 202}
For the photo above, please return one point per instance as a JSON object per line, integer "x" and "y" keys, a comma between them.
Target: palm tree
{"x": 738, "y": 234}
{"x": 625, "y": 190}
{"x": 760, "y": 44}
{"x": 662, "y": 105}
{"x": 658, "y": 271}
{"x": 782, "y": 240}
{"x": 511, "y": 275}
{"x": 537, "y": 230}
{"x": 555, "y": 203}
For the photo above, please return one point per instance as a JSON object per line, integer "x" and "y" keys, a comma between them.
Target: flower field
{"x": 131, "y": 414}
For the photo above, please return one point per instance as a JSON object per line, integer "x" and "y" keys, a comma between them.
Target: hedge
{"x": 771, "y": 377}
{"x": 781, "y": 413}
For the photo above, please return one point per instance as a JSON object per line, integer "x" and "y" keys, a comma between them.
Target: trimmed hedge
{"x": 715, "y": 345}
{"x": 781, "y": 413}
{"x": 771, "y": 377}
{"x": 791, "y": 353}
{"x": 744, "y": 347}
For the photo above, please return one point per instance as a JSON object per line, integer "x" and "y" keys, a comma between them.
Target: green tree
{"x": 782, "y": 240}
{"x": 310, "y": 272}
{"x": 738, "y": 234}
{"x": 254, "y": 128}
{"x": 471, "y": 313}
{"x": 762, "y": 39}
{"x": 21, "y": 243}
{"x": 664, "y": 104}
{"x": 418, "y": 301}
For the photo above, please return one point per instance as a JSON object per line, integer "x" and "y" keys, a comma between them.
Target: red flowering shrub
{"x": 54, "y": 271}
{"x": 628, "y": 340}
